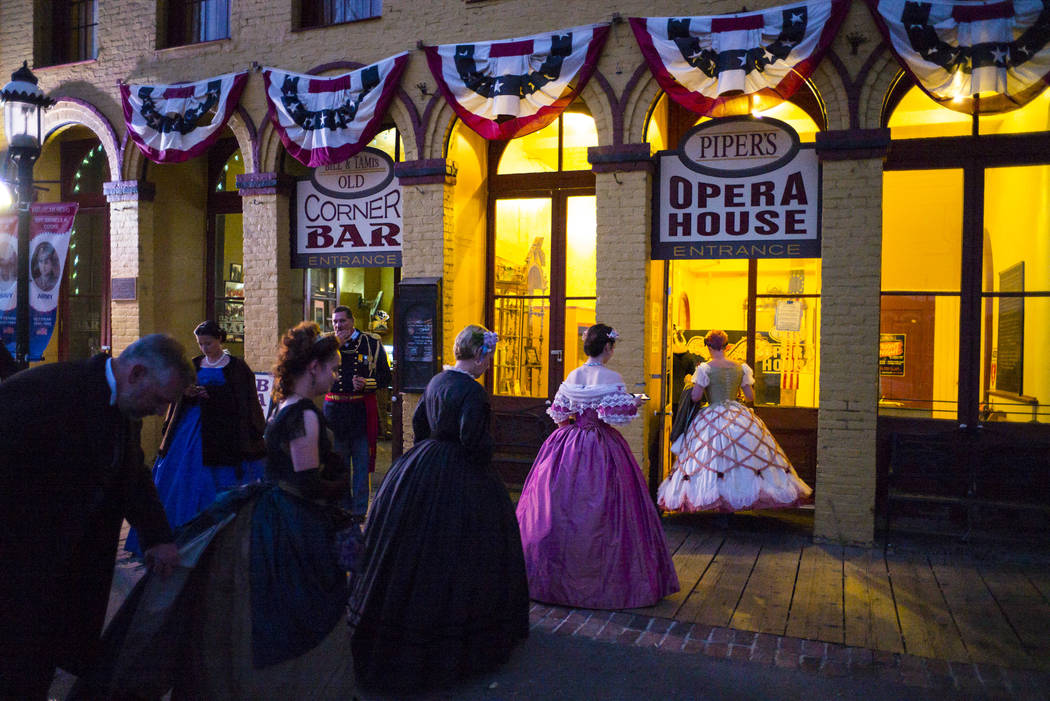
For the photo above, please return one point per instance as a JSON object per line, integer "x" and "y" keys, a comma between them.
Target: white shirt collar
{"x": 355, "y": 334}
{"x": 111, "y": 380}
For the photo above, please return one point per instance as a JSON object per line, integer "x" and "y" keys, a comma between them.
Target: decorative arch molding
{"x": 439, "y": 118}
{"x": 832, "y": 91}
{"x": 638, "y": 100}
{"x": 70, "y": 111}
{"x": 602, "y": 104}
{"x": 878, "y": 81}
{"x": 243, "y": 128}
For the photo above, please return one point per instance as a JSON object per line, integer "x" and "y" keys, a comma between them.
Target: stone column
{"x": 269, "y": 298}
{"x": 851, "y": 269}
{"x": 131, "y": 253}
{"x": 623, "y": 181}
{"x": 426, "y": 216}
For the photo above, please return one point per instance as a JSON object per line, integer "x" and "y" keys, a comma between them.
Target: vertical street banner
{"x": 348, "y": 214}
{"x": 264, "y": 388}
{"x": 50, "y": 228}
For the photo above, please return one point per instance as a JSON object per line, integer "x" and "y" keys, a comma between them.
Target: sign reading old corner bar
{"x": 740, "y": 187}
{"x": 348, "y": 215}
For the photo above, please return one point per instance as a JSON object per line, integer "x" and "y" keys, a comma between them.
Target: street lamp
{"x": 23, "y": 104}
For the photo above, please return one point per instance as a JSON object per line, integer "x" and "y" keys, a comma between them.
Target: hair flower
{"x": 489, "y": 343}
{"x": 613, "y": 334}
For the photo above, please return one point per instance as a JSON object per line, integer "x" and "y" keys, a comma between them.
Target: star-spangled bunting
{"x": 173, "y": 123}
{"x": 998, "y": 50}
{"x": 503, "y": 89}
{"x": 325, "y": 120}
{"x": 702, "y": 61}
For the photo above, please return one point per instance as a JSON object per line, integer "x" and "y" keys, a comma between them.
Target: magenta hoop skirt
{"x": 591, "y": 534}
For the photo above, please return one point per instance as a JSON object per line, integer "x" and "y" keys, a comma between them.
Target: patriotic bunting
{"x": 956, "y": 50}
{"x": 504, "y": 89}
{"x": 173, "y": 123}
{"x": 702, "y": 61}
{"x": 326, "y": 120}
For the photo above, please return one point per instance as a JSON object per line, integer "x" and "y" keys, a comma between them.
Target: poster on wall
{"x": 264, "y": 388}
{"x": 739, "y": 187}
{"x": 49, "y": 231}
{"x": 348, "y": 215}
{"x": 891, "y": 354}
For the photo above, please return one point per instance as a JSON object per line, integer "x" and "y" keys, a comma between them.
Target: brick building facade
{"x": 158, "y": 215}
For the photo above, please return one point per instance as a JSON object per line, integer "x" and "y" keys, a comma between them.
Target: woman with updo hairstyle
{"x": 442, "y": 594}
{"x": 591, "y": 535}
{"x": 259, "y": 613}
{"x": 727, "y": 460}
{"x": 212, "y": 437}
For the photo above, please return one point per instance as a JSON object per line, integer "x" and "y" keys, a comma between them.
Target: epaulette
{"x": 373, "y": 336}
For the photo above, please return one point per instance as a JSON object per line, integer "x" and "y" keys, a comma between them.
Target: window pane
{"x": 233, "y": 167}
{"x": 522, "y": 286}
{"x": 521, "y": 362}
{"x": 523, "y": 246}
{"x": 787, "y": 347}
{"x": 917, "y": 116}
{"x": 580, "y": 133}
{"x": 389, "y": 141}
{"x": 1035, "y": 116}
{"x": 1017, "y": 228}
{"x": 1014, "y": 374}
{"x": 580, "y": 315}
{"x": 534, "y": 153}
{"x": 919, "y": 356}
{"x": 581, "y": 262}
{"x": 86, "y": 252}
{"x": 229, "y": 276}
{"x": 922, "y": 230}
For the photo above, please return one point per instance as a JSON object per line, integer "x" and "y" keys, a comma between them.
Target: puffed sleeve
{"x": 561, "y": 408}
{"x": 749, "y": 375}
{"x": 474, "y": 419}
{"x": 700, "y": 377}
{"x": 618, "y": 406}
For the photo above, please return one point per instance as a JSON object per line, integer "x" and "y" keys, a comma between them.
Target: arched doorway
{"x": 749, "y": 299}
{"x": 541, "y": 289}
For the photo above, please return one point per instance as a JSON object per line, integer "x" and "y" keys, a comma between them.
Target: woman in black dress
{"x": 442, "y": 592}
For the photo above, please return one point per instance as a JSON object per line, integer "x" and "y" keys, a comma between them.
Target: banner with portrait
{"x": 50, "y": 228}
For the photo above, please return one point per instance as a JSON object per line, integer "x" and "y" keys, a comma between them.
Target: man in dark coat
{"x": 71, "y": 470}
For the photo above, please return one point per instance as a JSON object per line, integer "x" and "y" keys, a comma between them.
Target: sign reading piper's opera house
{"x": 348, "y": 215}
{"x": 740, "y": 187}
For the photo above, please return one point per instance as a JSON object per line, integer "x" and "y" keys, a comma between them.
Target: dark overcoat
{"x": 71, "y": 470}
{"x": 232, "y": 421}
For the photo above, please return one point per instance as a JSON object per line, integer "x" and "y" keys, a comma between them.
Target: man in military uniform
{"x": 351, "y": 408}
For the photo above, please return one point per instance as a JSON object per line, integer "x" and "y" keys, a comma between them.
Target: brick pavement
{"x": 812, "y": 656}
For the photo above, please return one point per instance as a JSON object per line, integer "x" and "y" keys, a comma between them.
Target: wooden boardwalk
{"x": 937, "y": 603}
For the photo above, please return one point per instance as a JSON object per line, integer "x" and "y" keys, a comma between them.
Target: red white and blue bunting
{"x": 509, "y": 88}
{"x": 171, "y": 123}
{"x": 956, "y": 50}
{"x": 326, "y": 120}
{"x": 703, "y": 61}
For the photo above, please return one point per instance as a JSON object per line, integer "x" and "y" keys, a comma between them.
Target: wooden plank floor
{"x": 945, "y": 605}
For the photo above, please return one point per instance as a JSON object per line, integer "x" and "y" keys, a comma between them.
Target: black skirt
{"x": 442, "y": 593}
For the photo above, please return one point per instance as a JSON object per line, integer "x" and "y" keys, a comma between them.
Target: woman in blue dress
{"x": 213, "y": 436}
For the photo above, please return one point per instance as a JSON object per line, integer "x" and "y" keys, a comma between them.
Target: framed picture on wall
{"x": 236, "y": 272}
{"x": 234, "y": 289}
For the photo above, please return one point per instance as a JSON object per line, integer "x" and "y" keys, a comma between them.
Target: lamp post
{"x": 24, "y": 104}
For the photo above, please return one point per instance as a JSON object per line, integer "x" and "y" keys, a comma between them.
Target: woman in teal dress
{"x": 255, "y": 609}
{"x": 213, "y": 436}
